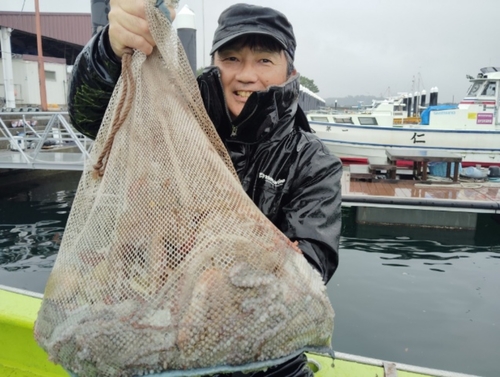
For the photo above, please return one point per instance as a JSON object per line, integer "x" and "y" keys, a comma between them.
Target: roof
{"x": 74, "y": 28}
{"x": 311, "y": 93}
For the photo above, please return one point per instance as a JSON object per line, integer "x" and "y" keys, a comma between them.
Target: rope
{"x": 160, "y": 4}
{"x": 122, "y": 109}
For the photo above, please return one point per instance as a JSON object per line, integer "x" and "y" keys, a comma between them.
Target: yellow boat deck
{"x": 20, "y": 355}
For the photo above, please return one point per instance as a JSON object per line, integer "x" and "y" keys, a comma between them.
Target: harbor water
{"x": 427, "y": 297}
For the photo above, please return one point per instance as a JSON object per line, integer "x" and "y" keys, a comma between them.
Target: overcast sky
{"x": 368, "y": 47}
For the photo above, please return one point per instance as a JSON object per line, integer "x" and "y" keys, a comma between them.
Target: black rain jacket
{"x": 287, "y": 171}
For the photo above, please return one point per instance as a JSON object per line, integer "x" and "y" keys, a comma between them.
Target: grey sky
{"x": 369, "y": 47}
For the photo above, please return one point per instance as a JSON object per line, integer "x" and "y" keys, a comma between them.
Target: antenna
{"x": 420, "y": 81}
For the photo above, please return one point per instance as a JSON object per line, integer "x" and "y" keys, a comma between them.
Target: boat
{"x": 388, "y": 111}
{"x": 470, "y": 129}
{"x": 20, "y": 355}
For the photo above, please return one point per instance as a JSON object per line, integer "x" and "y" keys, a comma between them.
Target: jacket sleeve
{"x": 312, "y": 215}
{"x": 95, "y": 74}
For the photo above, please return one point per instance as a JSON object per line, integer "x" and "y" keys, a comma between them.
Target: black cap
{"x": 242, "y": 19}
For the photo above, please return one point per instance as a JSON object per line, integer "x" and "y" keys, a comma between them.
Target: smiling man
{"x": 251, "y": 93}
{"x": 246, "y": 69}
{"x": 254, "y": 48}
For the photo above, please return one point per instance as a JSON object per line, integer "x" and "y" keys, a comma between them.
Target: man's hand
{"x": 128, "y": 28}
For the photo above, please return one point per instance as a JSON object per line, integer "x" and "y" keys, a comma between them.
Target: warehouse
{"x": 63, "y": 35}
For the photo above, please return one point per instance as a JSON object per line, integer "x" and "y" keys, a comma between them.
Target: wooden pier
{"x": 408, "y": 201}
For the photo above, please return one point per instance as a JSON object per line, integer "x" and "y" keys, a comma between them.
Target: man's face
{"x": 245, "y": 70}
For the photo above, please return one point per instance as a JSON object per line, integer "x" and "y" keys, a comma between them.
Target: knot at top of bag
{"x": 161, "y": 5}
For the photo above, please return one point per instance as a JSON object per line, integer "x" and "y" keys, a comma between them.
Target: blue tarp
{"x": 426, "y": 114}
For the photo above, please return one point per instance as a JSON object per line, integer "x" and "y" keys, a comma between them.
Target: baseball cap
{"x": 242, "y": 19}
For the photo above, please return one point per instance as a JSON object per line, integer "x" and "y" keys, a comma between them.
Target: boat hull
{"x": 363, "y": 143}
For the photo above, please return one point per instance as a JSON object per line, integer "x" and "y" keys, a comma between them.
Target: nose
{"x": 247, "y": 72}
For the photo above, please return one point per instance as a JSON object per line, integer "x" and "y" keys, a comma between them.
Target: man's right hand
{"x": 128, "y": 27}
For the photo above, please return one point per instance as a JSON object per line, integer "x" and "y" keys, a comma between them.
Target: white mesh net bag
{"x": 166, "y": 264}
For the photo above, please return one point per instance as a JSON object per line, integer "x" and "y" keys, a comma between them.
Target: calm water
{"x": 416, "y": 296}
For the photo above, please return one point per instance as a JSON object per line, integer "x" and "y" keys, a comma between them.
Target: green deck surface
{"x": 20, "y": 355}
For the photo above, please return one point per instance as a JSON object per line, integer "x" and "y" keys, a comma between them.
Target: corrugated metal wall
{"x": 73, "y": 28}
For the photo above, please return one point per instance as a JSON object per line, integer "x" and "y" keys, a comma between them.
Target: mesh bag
{"x": 166, "y": 264}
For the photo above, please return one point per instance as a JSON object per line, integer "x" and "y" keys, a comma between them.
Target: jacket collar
{"x": 263, "y": 114}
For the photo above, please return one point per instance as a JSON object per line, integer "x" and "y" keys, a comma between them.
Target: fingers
{"x": 173, "y": 13}
{"x": 128, "y": 28}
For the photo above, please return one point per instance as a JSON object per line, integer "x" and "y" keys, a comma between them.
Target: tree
{"x": 309, "y": 84}
{"x": 199, "y": 71}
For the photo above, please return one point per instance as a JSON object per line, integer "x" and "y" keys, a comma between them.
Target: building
{"x": 26, "y": 78}
{"x": 63, "y": 36}
{"x": 308, "y": 100}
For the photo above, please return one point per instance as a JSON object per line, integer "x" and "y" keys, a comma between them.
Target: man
{"x": 251, "y": 95}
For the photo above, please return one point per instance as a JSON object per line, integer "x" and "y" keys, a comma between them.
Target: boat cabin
{"x": 478, "y": 109}
{"x": 484, "y": 89}
{"x": 389, "y": 111}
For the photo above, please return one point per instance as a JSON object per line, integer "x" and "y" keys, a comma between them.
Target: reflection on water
{"x": 25, "y": 245}
{"x": 435, "y": 248}
{"x": 404, "y": 248}
{"x": 33, "y": 215}
{"x": 419, "y": 296}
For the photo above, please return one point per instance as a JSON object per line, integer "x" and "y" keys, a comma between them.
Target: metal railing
{"x": 28, "y": 145}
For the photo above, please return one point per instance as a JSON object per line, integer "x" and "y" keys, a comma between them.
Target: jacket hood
{"x": 264, "y": 112}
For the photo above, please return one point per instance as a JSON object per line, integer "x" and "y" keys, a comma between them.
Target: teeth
{"x": 243, "y": 94}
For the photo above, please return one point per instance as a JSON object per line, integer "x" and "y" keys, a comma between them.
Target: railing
{"x": 54, "y": 146}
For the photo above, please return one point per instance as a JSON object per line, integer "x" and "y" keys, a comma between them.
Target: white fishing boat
{"x": 389, "y": 111}
{"x": 470, "y": 129}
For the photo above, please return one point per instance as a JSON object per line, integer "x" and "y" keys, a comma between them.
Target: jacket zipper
{"x": 233, "y": 127}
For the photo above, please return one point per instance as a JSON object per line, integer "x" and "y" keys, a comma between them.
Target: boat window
{"x": 475, "y": 88}
{"x": 343, "y": 120}
{"x": 489, "y": 90}
{"x": 367, "y": 121}
{"x": 318, "y": 119}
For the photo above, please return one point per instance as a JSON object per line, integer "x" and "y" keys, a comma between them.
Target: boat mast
{"x": 497, "y": 104}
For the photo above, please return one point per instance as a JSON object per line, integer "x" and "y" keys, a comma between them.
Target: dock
{"x": 465, "y": 195}
{"x": 411, "y": 202}
{"x": 41, "y": 140}
{"x": 382, "y": 191}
